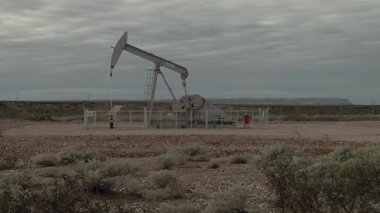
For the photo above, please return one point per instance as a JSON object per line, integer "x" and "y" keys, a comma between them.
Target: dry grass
{"x": 181, "y": 208}
{"x": 46, "y": 159}
{"x": 7, "y": 157}
{"x": 165, "y": 185}
{"x": 179, "y": 156}
{"x": 240, "y": 159}
{"x": 74, "y": 154}
{"x": 54, "y": 172}
{"x": 234, "y": 200}
{"x": 170, "y": 160}
{"x": 194, "y": 153}
{"x": 214, "y": 165}
{"x": 116, "y": 169}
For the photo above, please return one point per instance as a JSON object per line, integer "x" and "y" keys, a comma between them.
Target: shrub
{"x": 239, "y": 159}
{"x": 53, "y": 172}
{"x": 278, "y": 165}
{"x": 354, "y": 183}
{"x": 116, "y": 169}
{"x": 165, "y": 186}
{"x": 344, "y": 181}
{"x": 99, "y": 178}
{"x": 8, "y": 162}
{"x": 7, "y": 157}
{"x": 170, "y": 160}
{"x": 63, "y": 196}
{"x": 47, "y": 159}
{"x": 16, "y": 193}
{"x": 92, "y": 165}
{"x": 179, "y": 156}
{"x": 213, "y": 165}
{"x": 94, "y": 182}
{"x": 234, "y": 200}
{"x": 182, "y": 208}
{"x": 104, "y": 207}
{"x": 74, "y": 154}
{"x": 195, "y": 153}
{"x": 133, "y": 187}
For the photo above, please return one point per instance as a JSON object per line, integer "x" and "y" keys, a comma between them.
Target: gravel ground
{"x": 141, "y": 147}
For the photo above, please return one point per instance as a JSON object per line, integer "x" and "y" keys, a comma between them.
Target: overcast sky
{"x": 53, "y": 49}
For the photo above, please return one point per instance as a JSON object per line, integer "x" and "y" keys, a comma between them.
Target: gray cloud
{"x": 250, "y": 48}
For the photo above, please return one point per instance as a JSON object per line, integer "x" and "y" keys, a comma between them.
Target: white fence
{"x": 172, "y": 120}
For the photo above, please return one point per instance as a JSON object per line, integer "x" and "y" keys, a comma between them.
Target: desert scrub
{"x": 116, "y": 169}
{"x": 54, "y": 172}
{"x": 165, "y": 185}
{"x": 8, "y": 159}
{"x": 233, "y": 200}
{"x": 92, "y": 180}
{"x": 239, "y": 159}
{"x": 8, "y": 162}
{"x": 182, "y": 208}
{"x": 279, "y": 163}
{"x": 214, "y": 165}
{"x": 64, "y": 195}
{"x": 46, "y": 159}
{"x": 104, "y": 207}
{"x": 346, "y": 180}
{"x": 170, "y": 160}
{"x": 74, "y": 154}
{"x": 353, "y": 179}
{"x": 95, "y": 183}
{"x": 194, "y": 153}
{"x": 133, "y": 186}
{"x": 100, "y": 178}
{"x": 7, "y": 156}
{"x": 179, "y": 156}
{"x": 17, "y": 193}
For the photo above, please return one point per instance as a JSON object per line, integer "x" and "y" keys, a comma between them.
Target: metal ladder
{"x": 148, "y": 85}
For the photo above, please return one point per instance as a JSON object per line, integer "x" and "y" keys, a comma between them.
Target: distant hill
{"x": 281, "y": 101}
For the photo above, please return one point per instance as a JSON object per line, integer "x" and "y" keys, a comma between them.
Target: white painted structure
{"x": 123, "y": 45}
{"x": 199, "y": 119}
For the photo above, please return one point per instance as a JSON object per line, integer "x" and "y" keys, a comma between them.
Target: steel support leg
{"x": 153, "y": 91}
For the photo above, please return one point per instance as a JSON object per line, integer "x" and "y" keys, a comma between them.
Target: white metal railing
{"x": 168, "y": 119}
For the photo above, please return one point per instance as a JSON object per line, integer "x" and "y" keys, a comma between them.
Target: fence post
{"x": 95, "y": 118}
{"x": 85, "y": 119}
{"x": 145, "y": 124}
{"x": 176, "y": 119}
{"x": 191, "y": 119}
{"x": 252, "y": 118}
{"x": 206, "y": 119}
{"x": 222, "y": 118}
{"x": 373, "y": 109}
{"x": 160, "y": 120}
{"x": 259, "y": 116}
{"x": 130, "y": 119}
{"x": 237, "y": 117}
{"x": 115, "y": 118}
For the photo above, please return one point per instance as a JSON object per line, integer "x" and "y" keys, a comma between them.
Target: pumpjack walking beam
{"x": 122, "y": 45}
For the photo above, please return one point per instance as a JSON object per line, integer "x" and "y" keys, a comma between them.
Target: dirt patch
{"x": 141, "y": 147}
{"x": 336, "y": 131}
